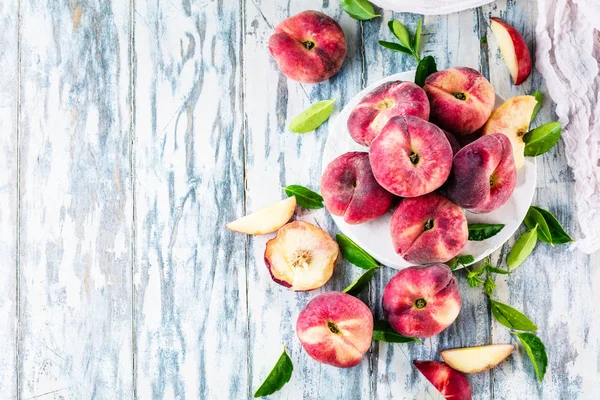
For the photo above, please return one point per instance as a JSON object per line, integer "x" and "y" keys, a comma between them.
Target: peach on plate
{"x": 335, "y": 328}
{"x": 266, "y": 220}
{"x": 453, "y": 385}
{"x": 428, "y": 229}
{"x": 309, "y": 47}
{"x": 513, "y": 48}
{"x": 477, "y": 358}
{"x": 350, "y": 190}
{"x": 301, "y": 257}
{"x": 391, "y": 99}
{"x": 483, "y": 174}
{"x": 422, "y": 301}
{"x": 461, "y": 99}
{"x": 410, "y": 157}
{"x": 512, "y": 119}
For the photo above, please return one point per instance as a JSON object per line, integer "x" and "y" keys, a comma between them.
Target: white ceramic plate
{"x": 375, "y": 237}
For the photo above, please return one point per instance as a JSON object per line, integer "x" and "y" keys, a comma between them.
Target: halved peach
{"x": 266, "y": 220}
{"x": 512, "y": 119}
{"x": 478, "y": 358}
{"x": 301, "y": 256}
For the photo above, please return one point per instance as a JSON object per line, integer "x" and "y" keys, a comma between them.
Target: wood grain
{"x": 9, "y": 59}
{"x": 275, "y": 158}
{"x": 76, "y": 201}
{"x": 556, "y": 287}
{"x": 190, "y": 275}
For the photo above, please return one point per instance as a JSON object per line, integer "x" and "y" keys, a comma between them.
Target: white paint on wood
{"x": 8, "y": 197}
{"x": 76, "y": 201}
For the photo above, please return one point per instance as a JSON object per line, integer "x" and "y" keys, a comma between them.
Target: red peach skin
{"x": 410, "y": 157}
{"x": 391, "y": 99}
{"x": 309, "y": 47}
{"x": 336, "y": 329}
{"x": 483, "y": 175}
{"x": 453, "y": 142}
{"x": 422, "y": 301}
{"x": 513, "y": 48}
{"x": 428, "y": 229}
{"x": 461, "y": 99}
{"x": 453, "y": 385}
{"x": 351, "y": 191}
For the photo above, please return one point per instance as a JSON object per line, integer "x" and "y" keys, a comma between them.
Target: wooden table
{"x": 132, "y": 132}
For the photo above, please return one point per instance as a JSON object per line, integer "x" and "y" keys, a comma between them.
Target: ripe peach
{"x": 453, "y": 142}
{"x": 336, "y": 329}
{"x": 391, "y": 99}
{"x": 422, "y": 301}
{"x": 452, "y": 384}
{"x": 308, "y": 47}
{"x": 428, "y": 229}
{"x": 301, "y": 256}
{"x": 483, "y": 175}
{"x": 461, "y": 99}
{"x": 350, "y": 189}
{"x": 513, "y": 48}
{"x": 410, "y": 157}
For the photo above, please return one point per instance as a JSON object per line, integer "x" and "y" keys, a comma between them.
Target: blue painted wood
{"x": 9, "y": 21}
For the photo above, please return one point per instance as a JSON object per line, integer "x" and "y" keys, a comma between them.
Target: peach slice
{"x": 452, "y": 384}
{"x": 265, "y": 220}
{"x": 513, "y": 48}
{"x": 512, "y": 119}
{"x": 336, "y": 329}
{"x": 478, "y": 358}
{"x": 301, "y": 256}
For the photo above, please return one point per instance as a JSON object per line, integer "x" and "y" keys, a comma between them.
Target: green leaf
{"x": 540, "y": 101}
{"x": 489, "y": 285}
{"x": 463, "y": 260}
{"x": 558, "y": 234}
{"x": 383, "y": 332}
{"x": 474, "y": 281}
{"x": 400, "y": 32}
{"x": 522, "y": 248}
{"x": 395, "y": 47}
{"x": 361, "y": 10}
{"x": 541, "y": 139}
{"x": 362, "y": 282}
{"x": 536, "y": 351}
{"x": 416, "y": 44}
{"x": 496, "y": 270}
{"x": 355, "y": 254}
{"x": 479, "y": 232}
{"x": 304, "y": 197}
{"x": 510, "y": 317}
{"x": 533, "y": 218}
{"x": 425, "y": 68}
{"x": 312, "y": 117}
{"x": 279, "y": 376}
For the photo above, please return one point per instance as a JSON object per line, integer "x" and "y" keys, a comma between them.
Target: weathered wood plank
{"x": 190, "y": 277}
{"x": 452, "y": 40}
{"x": 76, "y": 200}
{"x": 9, "y": 68}
{"x": 276, "y": 158}
{"x": 556, "y": 287}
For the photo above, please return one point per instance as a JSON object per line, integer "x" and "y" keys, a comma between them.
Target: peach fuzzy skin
{"x": 512, "y": 119}
{"x": 309, "y": 47}
{"x": 410, "y": 157}
{"x": 453, "y": 142}
{"x": 483, "y": 175}
{"x": 351, "y": 191}
{"x": 301, "y": 256}
{"x": 422, "y": 301}
{"x": 391, "y": 99}
{"x": 461, "y": 99}
{"x": 513, "y": 48}
{"x": 336, "y": 329}
{"x": 428, "y": 229}
{"x": 453, "y": 385}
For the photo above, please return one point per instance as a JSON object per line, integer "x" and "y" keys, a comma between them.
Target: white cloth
{"x": 568, "y": 57}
